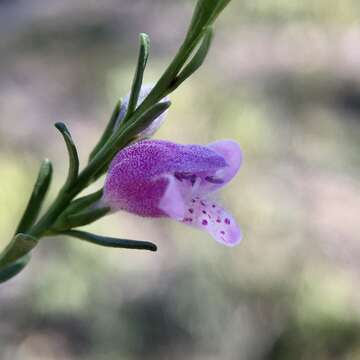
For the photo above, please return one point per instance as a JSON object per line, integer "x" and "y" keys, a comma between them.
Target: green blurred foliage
{"x": 283, "y": 79}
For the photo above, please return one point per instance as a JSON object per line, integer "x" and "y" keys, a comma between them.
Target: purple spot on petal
{"x": 213, "y": 205}
{"x": 218, "y": 220}
{"x": 202, "y": 203}
{"x": 191, "y": 211}
{"x": 204, "y": 212}
{"x": 193, "y": 200}
{"x": 204, "y": 222}
{"x": 222, "y": 232}
{"x": 227, "y": 221}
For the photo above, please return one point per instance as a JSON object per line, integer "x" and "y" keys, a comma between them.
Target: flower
{"x": 155, "y": 178}
{"x": 154, "y": 126}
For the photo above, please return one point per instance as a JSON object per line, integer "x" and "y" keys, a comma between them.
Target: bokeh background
{"x": 283, "y": 79}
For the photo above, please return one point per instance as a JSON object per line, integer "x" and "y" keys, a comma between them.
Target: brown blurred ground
{"x": 283, "y": 79}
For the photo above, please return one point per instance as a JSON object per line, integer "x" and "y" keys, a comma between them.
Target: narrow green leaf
{"x": 83, "y": 202}
{"x": 111, "y": 242}
{"x": 139, "y": 74}
{"x": 196, "y": 61}
{"x": 20, "y": 245}
{"x": 37, "y": 197}
{"x": 146, "y": 119}
{"x": 205, "y": 13}
{"x": 11, "y": 270}
{"x": 108, "y": 130}
{"x": 80, "y": 219}
{"x": 73, "y": 155}
{"x": 221, "y": 5}
{"x": 87, "y": 216}
{"x": 202, "y": 13}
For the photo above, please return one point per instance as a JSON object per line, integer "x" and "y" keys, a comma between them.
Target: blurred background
{"x": 283, "y": 79}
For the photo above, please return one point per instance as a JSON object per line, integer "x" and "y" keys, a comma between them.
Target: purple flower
{"x": 154, "y": 126}
{"x": 155, "y": 178}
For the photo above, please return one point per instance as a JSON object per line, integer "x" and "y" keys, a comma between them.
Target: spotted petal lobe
{"x": 208, "y": 215}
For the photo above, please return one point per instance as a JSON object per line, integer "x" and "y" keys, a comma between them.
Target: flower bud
{"x": 155, "y": 125}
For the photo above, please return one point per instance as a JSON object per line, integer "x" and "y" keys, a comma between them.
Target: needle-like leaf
{"x": 37, "y": 197}
{"x": 83, "y": 202}
{"x": 12, "y": 269}
{"x": 196, "y": 61}
{"x": 108, "y": 130}
{"x": 80, "y": 219}
{"x": 139, "y": 74}
{"x": 20, "y": 245}
{"x": 147, "y": 118}
{"x": 73, "y": 155}
{"x": 110, "y": 241}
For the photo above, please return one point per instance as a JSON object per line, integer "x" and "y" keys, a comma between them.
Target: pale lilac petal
{"x": 209, "y": 216}
{"x": 155, "y": 125}
{"x": 172, "y": 202}
{"x": 231, "y": 152}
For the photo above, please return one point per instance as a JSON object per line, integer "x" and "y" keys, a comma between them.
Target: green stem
{"x": 48, "y": 219}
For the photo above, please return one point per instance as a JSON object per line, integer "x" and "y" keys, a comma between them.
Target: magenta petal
{"x": 209, "y": 216}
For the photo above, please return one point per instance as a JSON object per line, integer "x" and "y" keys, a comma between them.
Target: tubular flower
{"x": 155, "y": 125}
{"x": 155, "y": 178}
